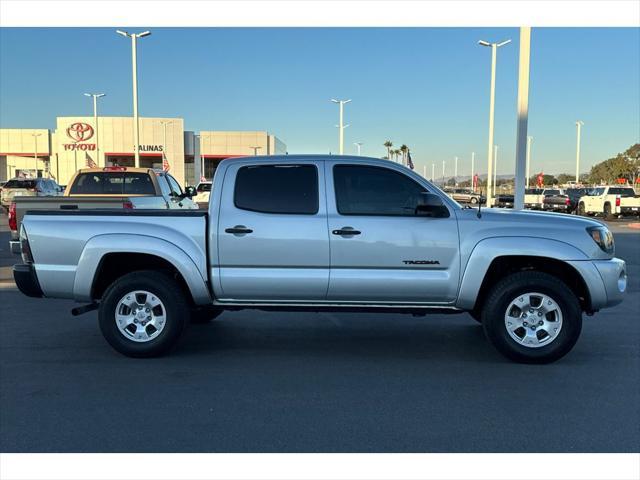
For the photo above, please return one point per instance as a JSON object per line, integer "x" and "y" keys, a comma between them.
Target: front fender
{"x": 489, "y": 249}
{"x": 99, "y": 246}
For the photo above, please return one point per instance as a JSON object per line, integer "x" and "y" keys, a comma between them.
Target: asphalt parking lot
{"x": 288, "y": 382}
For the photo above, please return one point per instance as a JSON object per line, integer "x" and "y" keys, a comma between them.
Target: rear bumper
{"x": 27, "y": 280}
{"x": 630, "y": 210}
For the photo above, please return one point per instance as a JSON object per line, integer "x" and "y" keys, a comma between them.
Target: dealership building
{"x": 78, "y": 142}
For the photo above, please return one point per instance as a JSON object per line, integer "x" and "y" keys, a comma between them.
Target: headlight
{"x": 603, "y": 237}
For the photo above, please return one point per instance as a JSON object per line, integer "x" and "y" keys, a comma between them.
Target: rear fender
{"x": 97, "y": 247}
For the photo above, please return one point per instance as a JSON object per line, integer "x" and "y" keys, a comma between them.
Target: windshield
{"x": 552, "y": 192}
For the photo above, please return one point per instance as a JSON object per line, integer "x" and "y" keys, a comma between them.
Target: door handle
{"x": 346, "y": 231}
{"x": 239, "y": 230}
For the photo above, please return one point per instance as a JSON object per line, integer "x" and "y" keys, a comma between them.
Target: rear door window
{"x": 284, "y": 189}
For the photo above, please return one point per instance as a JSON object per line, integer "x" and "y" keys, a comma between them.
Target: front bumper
{"x": 606, "y": 281}
{"x": 27, "y": 280}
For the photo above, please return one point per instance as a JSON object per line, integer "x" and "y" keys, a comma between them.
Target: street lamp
{"x": 455, "y": 171}
{"x": 433, "y": 172}
{"x": 134, "y": 65}
{"x": 341, "y": 126}
{"x": 495, "y": 169}
{"x": 473, "y": 168}
{"x": 358, "y": 145}
{"x": 529, "y": 140}
{"x": 96, "y": 96}
{"x": 164, "y": 124}
{"x": 35, "y": 151}
{"x": 255, "y": 150}
{"x": 492, "y": 100}
{"x": 579, "y": 124}
{"x": 443, "y": 163}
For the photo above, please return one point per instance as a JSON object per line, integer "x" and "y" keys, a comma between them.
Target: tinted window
{"x": 362, "y": 190}
{"x": 552, "y": 192}
{"x": 110, "y": 183}
{"x": 204, "y": 187}
{"x": 16, "y": 183}
{"x": 138, "y": 184}
{"x": 623, "y": 192}
{"x": 289, "y": 189}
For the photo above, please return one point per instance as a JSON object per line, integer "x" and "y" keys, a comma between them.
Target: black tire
{"x": 607, "y": 211}
{"x": 474, "y": 200}
{"x": 581, "y": 210}
{"x": 498, "y": 300}
{"x": 205, "y": 314}
{"x": 167, "y": 290}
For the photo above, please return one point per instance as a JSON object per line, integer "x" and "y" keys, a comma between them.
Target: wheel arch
{"x": 493, "y": 259}
{"x": 107, "y": 257}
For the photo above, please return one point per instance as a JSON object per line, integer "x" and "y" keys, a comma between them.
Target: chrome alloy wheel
{"x": 533, "y": 319}
{"x": 140, "y": 316}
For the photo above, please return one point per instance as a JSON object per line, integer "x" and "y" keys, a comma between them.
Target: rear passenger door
{"x": 273, "y": 243}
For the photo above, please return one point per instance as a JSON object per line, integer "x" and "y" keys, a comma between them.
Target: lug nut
{"x": 539, "y": 314}
{"x": 147, "y": 310}
{"x": 531, "y": 310}
{"x": 533, "y": 327}
{"x": 525, "y": 324}
{"x": 540, "y": 323}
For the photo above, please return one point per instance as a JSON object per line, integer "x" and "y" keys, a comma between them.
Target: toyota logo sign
{"x": 79, "y": 132}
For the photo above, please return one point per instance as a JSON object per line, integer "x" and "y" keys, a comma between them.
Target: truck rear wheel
{"x": 581, "y": 210}
{"x": 143, "y": 314}
{"x": 532, "y": 317}
{"x": 607, "y": 211}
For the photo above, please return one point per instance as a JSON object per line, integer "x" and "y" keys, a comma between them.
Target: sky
{"x": 427, "y": 88}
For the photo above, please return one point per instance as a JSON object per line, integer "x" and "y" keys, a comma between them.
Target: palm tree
{"x": 404, "y": 149}
{"x": 388, "y": 144}
{"x": 397, "y": 152}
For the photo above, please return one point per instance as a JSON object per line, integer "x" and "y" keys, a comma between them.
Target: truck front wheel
{"x": 143, "y": 314}
{"x": 532, "y": 317}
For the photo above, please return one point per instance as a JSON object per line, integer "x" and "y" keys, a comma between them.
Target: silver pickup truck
{"x": 325, "y": 233}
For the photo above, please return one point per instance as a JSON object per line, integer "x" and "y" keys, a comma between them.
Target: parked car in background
{"x": 203, "y": 191}
{"x": 533, "y": 198}
{"x": 28, "y": 187}
{"x": 108, "y": 188}
{"x": 610, "y": 201}
{"x": 557, "y": 203}
{"x": 466, "y": 195}
{"x": 504, "y": 200}
{"x": 329, "y": 233}
{"x": 574, "y": 195}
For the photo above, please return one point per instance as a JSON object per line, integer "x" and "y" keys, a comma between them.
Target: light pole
{"x": 35, "y": 151}
{"x": 492, "y": 100}
{"x": 443, "y": 163}
{"x": 455, "y": 171}
{"x": 341, "y": 126}
{"x": 96, "y": 96}
{"x": 473, "y": 168}
{"x": 255, "y": 150}
{"x": 358, "y": 145}
{"x": 134, "y": 65}
{"x": 495, "y": 169}
{"x": 529, "y": 140}
{"x": 523, "y": 117}
{"x": 164, "y": 124}
{"x": 579, "y": 124}
{"x": 433, "y": 172}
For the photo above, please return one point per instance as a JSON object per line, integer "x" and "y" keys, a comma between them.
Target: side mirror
{"x": 190, "y": 192}
{"x": 431, "y": 205}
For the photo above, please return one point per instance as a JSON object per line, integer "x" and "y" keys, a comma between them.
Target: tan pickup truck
{"x": 107, "y": 188}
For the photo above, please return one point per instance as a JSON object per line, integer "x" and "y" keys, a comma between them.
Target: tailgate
{"x": 25, "y": 204}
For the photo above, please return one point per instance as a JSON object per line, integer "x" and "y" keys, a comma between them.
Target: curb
{"x": 634, "y": 225}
